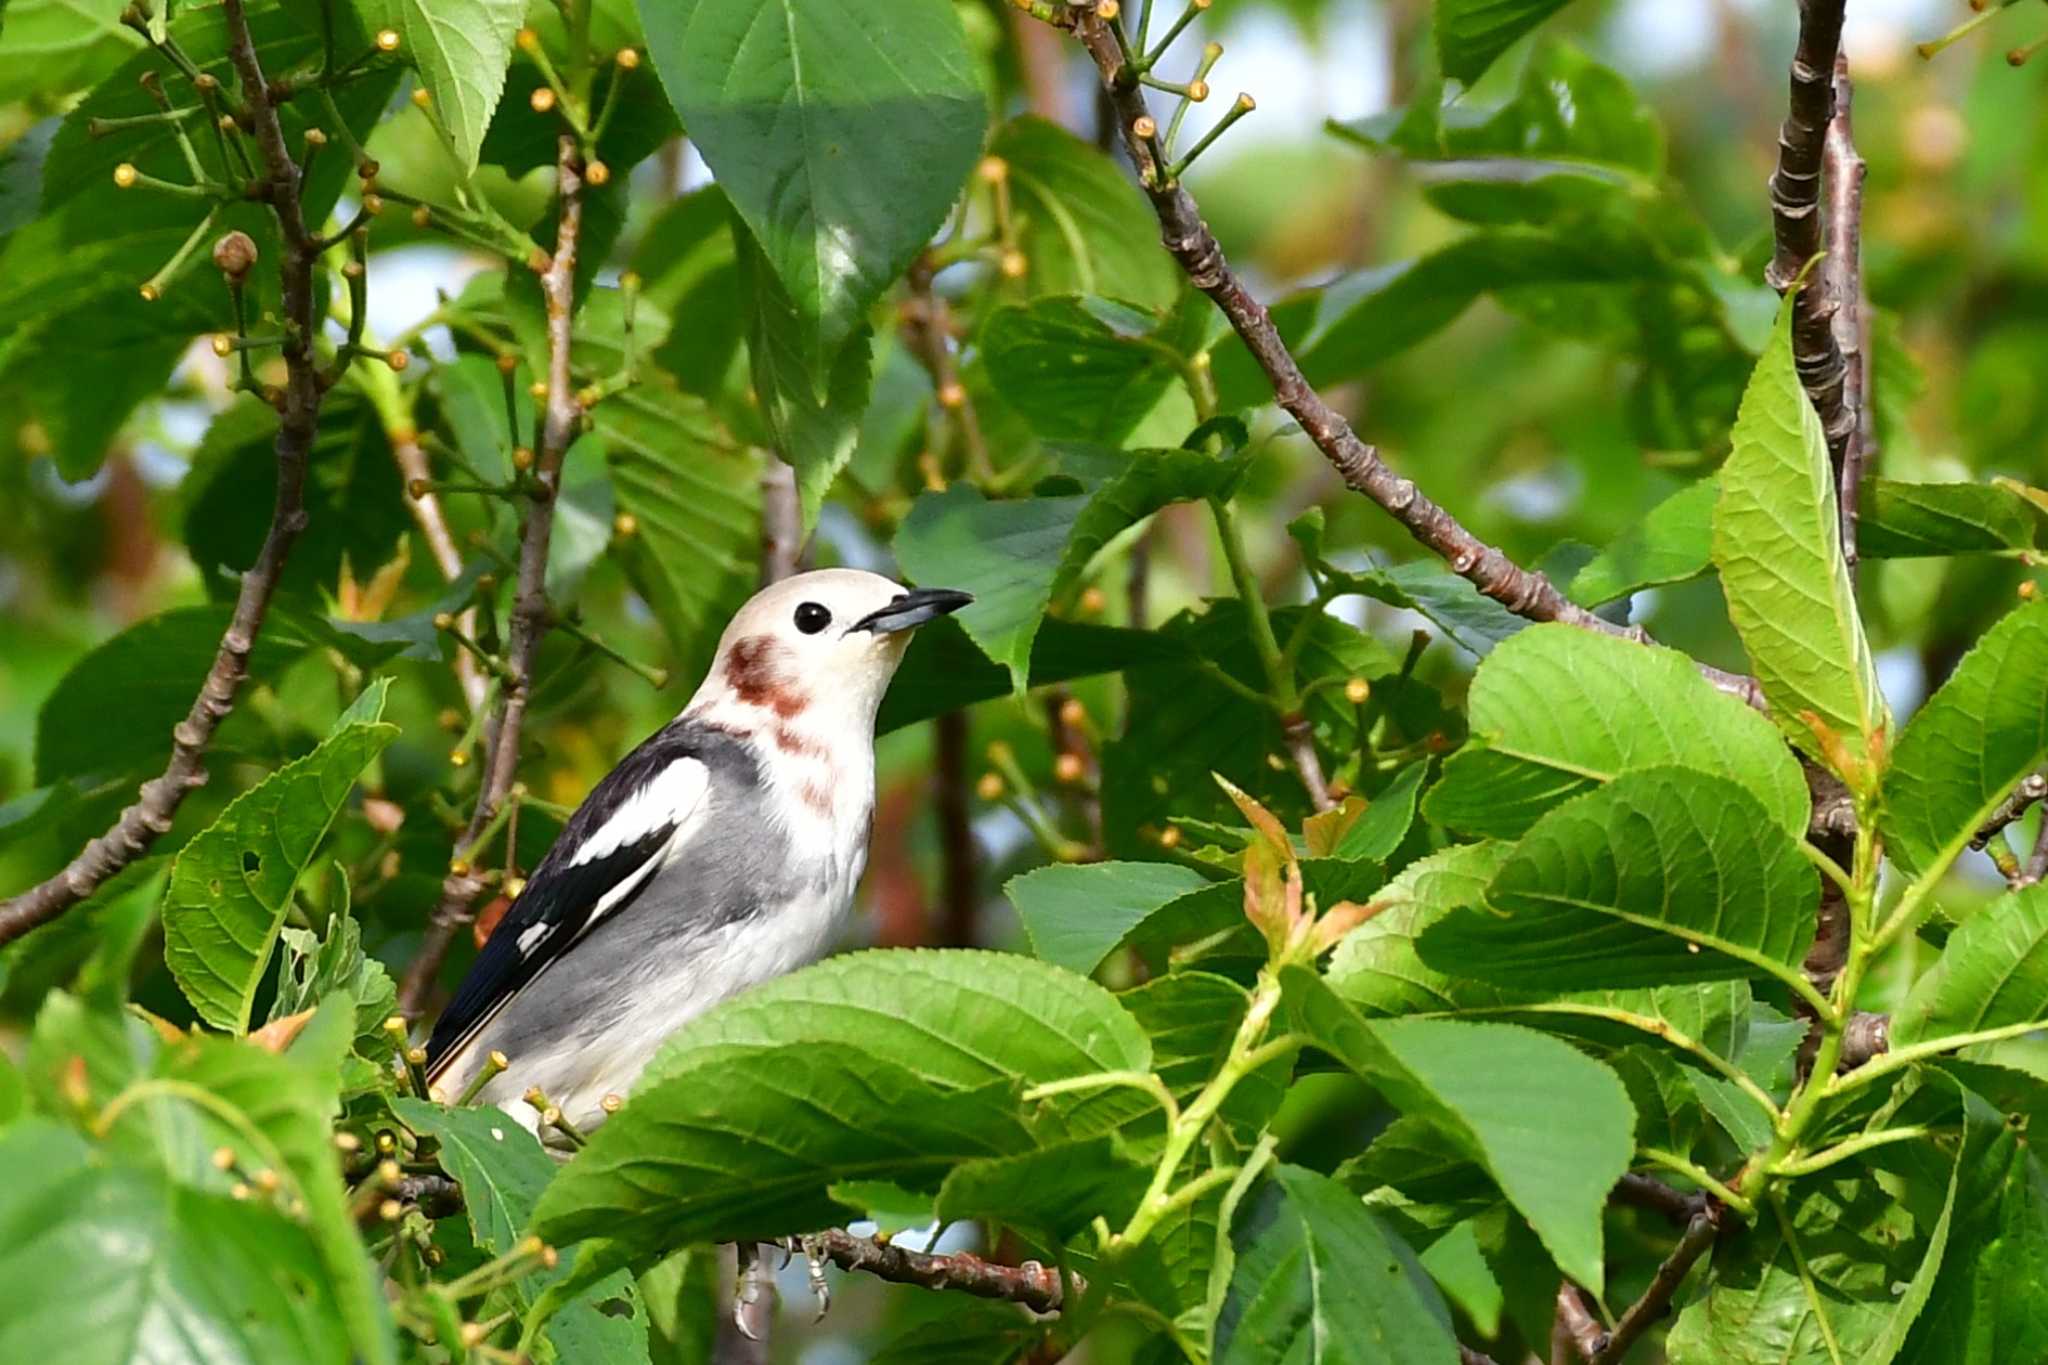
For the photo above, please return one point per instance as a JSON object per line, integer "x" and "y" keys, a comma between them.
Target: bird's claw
{"x": 812, "y": 1248}
{"x": 747, "y": 1288}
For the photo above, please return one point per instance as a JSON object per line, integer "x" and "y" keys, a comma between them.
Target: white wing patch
{"x": 670, "y": 797}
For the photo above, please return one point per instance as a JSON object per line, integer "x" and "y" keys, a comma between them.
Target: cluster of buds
{"x": 1274, "y": 901}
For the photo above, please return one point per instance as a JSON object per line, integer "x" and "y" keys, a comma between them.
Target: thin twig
{"x": 1575, "y": 1329}
{"x": 1647, "y": 1192}
{"x": 1845, "y": 170}
{"x": 782, "y": 523}
{"x": 1796, "y": 221}
{"x": 2037, "y": 861}
{"x": 1638, "y": 1317}
{"x": 1187, "y": 238}
{"x": 560, "y": 420}
{"x": 1035, "y": 1286}
{"x": 142, "y": 823}
{"x": 414, "y": 470}
{"x": 958, "y": 902}
{"x": 927, "y": 326}
{"x": 2033, "y": 787}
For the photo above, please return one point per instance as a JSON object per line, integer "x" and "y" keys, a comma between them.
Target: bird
{"x": 720, "y": 853}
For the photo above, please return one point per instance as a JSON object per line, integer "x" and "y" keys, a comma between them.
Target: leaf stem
{"x": 1144, "y": 1081}
{"x": 1849, "y": 1147}
{"x": 1901, "y": 1058}
{"x": 1679, "y": 1165}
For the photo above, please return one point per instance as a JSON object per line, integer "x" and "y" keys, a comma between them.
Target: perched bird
{"x": 720, "y": 853}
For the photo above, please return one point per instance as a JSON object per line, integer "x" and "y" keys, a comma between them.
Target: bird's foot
{"x": 753, "y": 1278}
{"x": 813, "y": 1249}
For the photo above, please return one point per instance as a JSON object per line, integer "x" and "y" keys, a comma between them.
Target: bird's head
{"x": 820, "y": 647}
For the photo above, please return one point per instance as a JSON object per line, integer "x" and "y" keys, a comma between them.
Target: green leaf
{"x": 1778, "y": 545}
{"x": 1470, "y": 34}
{"x": 1663, "y": 875}
{"x": 1473, "y": 620}
{"x": 1082, "y": 226}
{"x": 1992, "y": 973}
{"x": 1191, "y": 1018}
{"x": 1673, "y": 542}
{"x": 1376, "y": 967}
{"x": 112, "y": 711}
{"x": 1075, "y": 914}
{"x": 1054, "y": 1193}
{"x": 1970, "y": 744}
{"x": 52, "y": 47}
{"x": 842, "y": 142}
{"x": 1901, "y": 520}
{"x": 1090, "y": 369}
{"x": 231, "y": 886}
{"x": 499, "y": 1165}
{"x": 814, "y": 430}
{"x": 13, "y": 1093}
{"x": 1552, "y": 1126}
{"x": 1018, "y": 555}
{"x": 461, "y": 48}
{"x": 1556, "y": 711}
{"x": 1214, "y": 916}
{"x": 695, "y": 494}
{"x": 315, "y": 968}
{"x": 944, "y": 671}
{"x": 890, "y": 1207}
{"x": 1668, "y": 1114}
{"x": 940, "y": 1042}
{"x": 1375, "y": 835}
{"x": 108, "y": 1265}
{"x": 1319, "y": 1280}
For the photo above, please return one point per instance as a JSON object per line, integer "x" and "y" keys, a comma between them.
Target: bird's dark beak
{"x": 909, "y": 610}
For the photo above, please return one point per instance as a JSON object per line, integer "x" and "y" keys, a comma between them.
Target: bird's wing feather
{"x": 606, "y": 854}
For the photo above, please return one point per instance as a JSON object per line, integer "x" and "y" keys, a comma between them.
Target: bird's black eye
{"x": 812, "y": 618}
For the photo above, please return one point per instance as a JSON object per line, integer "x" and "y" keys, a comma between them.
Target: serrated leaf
{"x": 1673, "y": 542}
{"x": 1664, "y": 875}
{"x": 941, "y": 1042}
{"x": 1074, "y": 914}
{"x": 1970, "y": 744}
{"x": 1191, "y": 1018}
{"x": 841, "y": 141}
{"x": 1992, "y": 973}
{"x": 230, "y": 887}
{"x": 1054, "y": 1192}
{"x": 1375, "y": 835}
{"x": 1089, "y": 369}
{"x": 1778, "y": 545}
{"x": 1319, "y": 1280}
{"x": 461, "y": 49}
{"x": 1470, "y": 34}
{"x": 1082, "y": 226}
{"x": 1551, "y": 1125}
{"x": 1556, "y": 711}
{"x": 1474, "y": 621}
{"x": 317, "y": 967}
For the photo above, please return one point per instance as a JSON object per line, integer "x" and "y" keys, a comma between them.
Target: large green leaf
{"x": 1054, "y": 1192}
{"x": 944, "y": 670}
{"x": 1318, "y": 1280}
{"x": 231, "y": 886}
{"x": 461, "y": 48}
{"x": 1778, "y": 545}
{"x": 1992, "y": 973}
{"x": 52, "y": 47}
{"x": 940, "y": 1042}
{"x": 1074, "y": 914}
{"x": 1090, "y": 369}
{"x": 1469, "y": 617}
{"x": 1962, "y": 752}
{"x": 1551, "y": 1125}
{"x": 110, "y": 1265}
{"x": 1673, "y": 542}
{"x": 1470, "y": 34}
{"x": 1017, "y": 555}
{"x": 1376, "y": 967}
{"x": 1663, "y": 875}
{"x": 841, "y": 141}
{"x": 1082, "y": 226}
{"x": 1556, "y": 711}
{"x": 1192, "y": 1018}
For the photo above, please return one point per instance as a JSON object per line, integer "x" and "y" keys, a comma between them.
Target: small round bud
{"x": 1092, "y": 601}
{"x": 507, "y": 362}
{"x": 1014, "y": 265}
{"x": 589, "y": 396}
{"x": 952, "y": 394}
{"x": 625, "y": 525}
{"x": 388, "y": 1172}
{"x": 1357, "y": 690}
{"x": 373, "y": 204}
{"x": 235, "y": 254}
{"x": 1436, "y": 741}
{"x": 990, "y": 787}
{"x": 442, "y": 619}
{"x": 542, "y": 99}
{"x": 416, "y": 1055}
{"x": 352, "y": 270}
{"x": 449, "y": 719}
{"x": 528, "y": 40}
{"x": 223, "y": 1158}
{"x": 1170, "y": 837}
{"x": 999, "y": 752}
{"x": 1144, "y": 126}
{"x": 368, "y": 169}
{"x": 537, "y": 390}
{"x": 421, "y": 97}
{"x": 993, "y": 170}
{"x": 387, "y": 40}
{"x": 458, "y": 867}
{"x": 459, "y": 758}
{"x": 2027, "y": 591}
{"x": 422, "y": 216}
{"x": 550, "y": 1258}
{"x": 1106, "y": 10}
{"x": 238, "y": 1190}
{"x": 315, "y": 137}
{"x": 513, "y": 886}
{"x": 398, "y": 360}
{"x": 1072, "y": 713}
{"x": 150, "y": 293}
{"x": 391, "y": 1210}
{"x": 226, "y": 123}
{"x": 628, "y": 58}
{"x": 418, "y": 488}
{"x": 267, "y": 1181}
{"x": 347, "y": 1142}
{"x": 205, "y": 82}
{"x": 1069, "y": 768}
{"x": 597, "y": 173}
{"x": 1246, "y": 102}
{"x": 223, "y": 345}
{"x": 125, "y": 175}
{"x": 499, "y": 1061}
{"x": 1198, "y": 91}
{"x": 531, "y": 1246}
{"x": 522, "y": 457}
{"x": 611, "y": 1104}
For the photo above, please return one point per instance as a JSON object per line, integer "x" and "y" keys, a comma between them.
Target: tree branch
{"x": 142, "y": 823}
{"x": 1844, "y": 171}
{"x": 1574, "y": 1329}
{"x": 561, "y": 418}
{"x": 782, "y": 523}
{"x": 1796, "y": 222}
{"x": 1187, "y": 238}
{"x": 1656, "y": 1300}
{"x": 1035, "y": 1286}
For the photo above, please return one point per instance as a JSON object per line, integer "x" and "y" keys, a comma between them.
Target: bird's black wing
{"x": 605, "y": 856}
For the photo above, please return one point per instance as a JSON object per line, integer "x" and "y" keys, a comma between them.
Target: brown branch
{"x": 2037, "y": 861}
{"x": 1035, "y": 1286}
{"x": 782, "y": 523}
{"x": 1655, "y": 1302}
{"x": 1796, "y": 222}
{"x": 561, "y": 418}
{"x": 958, "y": 885}
{"x": 1844, "y": 172}
{"x": 1187, "y": 238}
{"x": 1865, "y": 1036}
{"x": 1574, "y": 1333}
{"x": 1646, "y": 1192}
{"x": 1468, "y": 1356}
{"x": 2032, "y": 788}
{"x": 142, "y": 823}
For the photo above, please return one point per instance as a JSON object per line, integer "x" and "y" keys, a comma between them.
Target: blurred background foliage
{"x": 1550, "y": 356}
